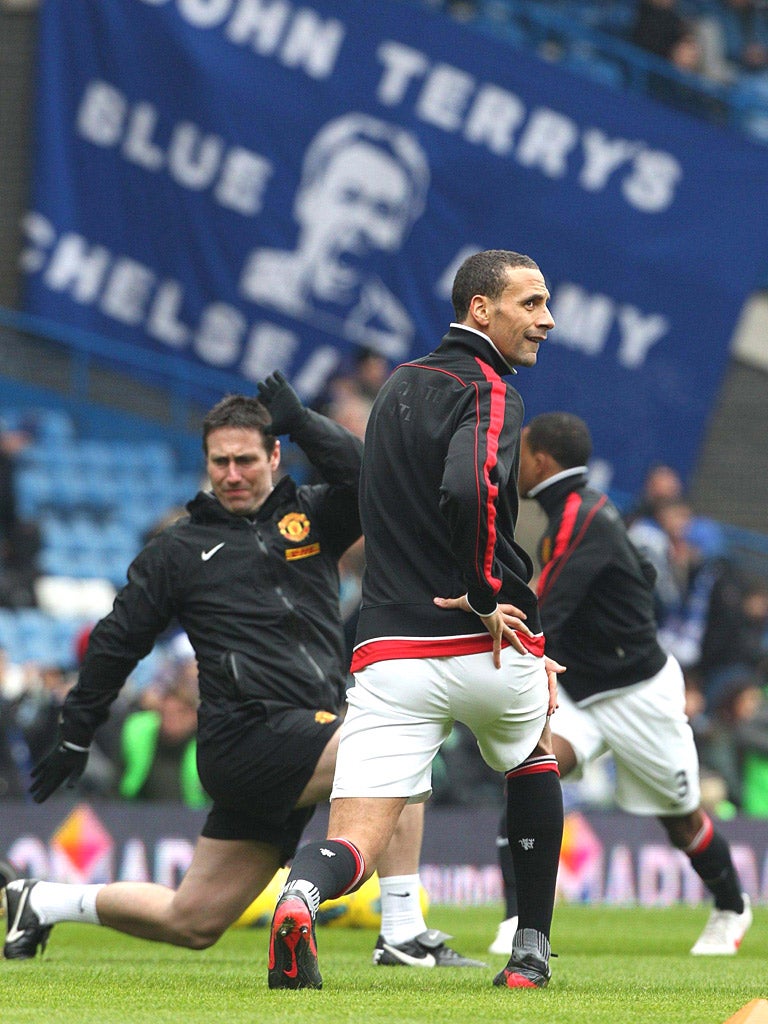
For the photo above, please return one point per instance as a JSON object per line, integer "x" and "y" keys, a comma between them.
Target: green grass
{"x": 623, "y": 966}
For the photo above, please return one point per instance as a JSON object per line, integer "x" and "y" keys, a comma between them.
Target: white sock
{"x": 57, "y": 901}
{"x": 401, "y": 916}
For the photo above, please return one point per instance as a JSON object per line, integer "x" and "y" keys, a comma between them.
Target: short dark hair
{"x": 485, "y": 273}
{"x": 562, "y": 436}
{"x": 240, "y": 411}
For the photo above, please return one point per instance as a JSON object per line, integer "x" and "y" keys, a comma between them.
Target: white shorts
{"x": 401, "y": 711}
{"x": 646, "y": 729}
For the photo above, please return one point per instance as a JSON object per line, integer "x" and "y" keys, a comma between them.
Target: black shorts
{"x": 254, "y": 766}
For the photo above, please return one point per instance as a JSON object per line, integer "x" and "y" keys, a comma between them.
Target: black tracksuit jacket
{"x": 438, "y": 498}
{"x": 595, "y": 593}
{"x": 261, "y": 611}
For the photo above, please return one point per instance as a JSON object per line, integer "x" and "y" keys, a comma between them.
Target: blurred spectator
{"x": 660, "y": 535}
{"x": 11, "y": 443}
{"x": 371, "y": 371}
{"x": 661, "y": 483}
{"x": 735, "y": 640}
{"x": 661, "y": 29}
{"x": 20, "y": 540}
{"x": 349, "y": 402}
{"x": 362, "y": 376}
{"x": 751, "y": 739}
{"x": 686, "y": 553}
{"x": 734, "y": 39}
{"x": 13, "y": 677}
{"x": 658, "y": 27}
{"x": 15, "y": 760}
{"x": 81, "y": 643}
{"x": 351, "y": 409}
{"x": 37, "y": 716}
{"x": 351, "y": 565}
{"x": 461, "y": 10}
{"x": 158, "y": 742}
{"x": 38, "y": 708}
{"x": 733, "y": 741}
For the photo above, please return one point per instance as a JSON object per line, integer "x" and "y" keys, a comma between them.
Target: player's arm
{"x": 470, "y": 490}
{"x": 333, "y": 451}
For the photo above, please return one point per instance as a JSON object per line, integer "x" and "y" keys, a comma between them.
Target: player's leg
{"x": 507, "y": 712}
{"x": 535, "y": 832}
{"x": 657, "y": 773}
{"x": 404, "y": 938}
{"x": 318, "y": 788}
{"x": 358, "y": 831}
{"x": 371, "y": 787}
{"x": 235, "y": 858}
{"x": 505, "y": 932}
{"x": 223, "y": 878}
{"x": 710, "y": 858}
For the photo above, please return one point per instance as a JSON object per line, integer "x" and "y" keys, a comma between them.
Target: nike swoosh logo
{"x": 14, "y": 932}
{"x": 205, "y": 555}
{"x": 402, "y": 895}
{"x": 415, "y": 961}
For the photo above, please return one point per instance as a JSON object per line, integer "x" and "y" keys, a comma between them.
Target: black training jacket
{"x": 595, "y": 593}
{"x": 438, "y": 498}
{"x": 258, "y": 598}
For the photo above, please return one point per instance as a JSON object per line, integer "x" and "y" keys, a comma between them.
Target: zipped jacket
{"x": 258, "y": 597}
{"x": 439, "y": 504}
{"x": 595, "y": 593}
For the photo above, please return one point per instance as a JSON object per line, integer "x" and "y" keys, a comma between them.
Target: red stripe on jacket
{"x": 396, "y": 648}
{"x": 495, "y": 424}
{"x": 565, "y": 543}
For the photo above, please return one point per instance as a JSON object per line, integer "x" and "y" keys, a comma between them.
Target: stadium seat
{"x": 591, "y": 65}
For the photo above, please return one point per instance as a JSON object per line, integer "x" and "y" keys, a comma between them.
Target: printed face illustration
{"x": 359, "y": 204}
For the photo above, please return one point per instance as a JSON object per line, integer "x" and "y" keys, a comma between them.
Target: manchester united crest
{"x": 294, "y": 527}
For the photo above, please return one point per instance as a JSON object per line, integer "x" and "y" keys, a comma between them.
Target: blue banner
{"x": 253, "y": 184}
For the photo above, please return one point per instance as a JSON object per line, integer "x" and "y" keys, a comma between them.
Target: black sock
{"x": 507, "y": 866}
{"x": 535, "y": 828}
{"x": 714, "y": 866}
{"x": 325, "y": 870}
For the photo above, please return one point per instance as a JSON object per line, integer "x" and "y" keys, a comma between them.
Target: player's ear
{"x": 274, "y": 458}
{"x": 545, "y": 465}
{"x": 478, "y": 307}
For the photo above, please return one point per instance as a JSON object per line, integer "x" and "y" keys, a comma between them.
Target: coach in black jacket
{"x": 621, "y": 693}
{"x": 251, "y": 575}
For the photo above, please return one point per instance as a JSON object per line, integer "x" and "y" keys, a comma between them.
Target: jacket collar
{"x": 552, "y": 492}
{"x": 480, "y": 345}
{"x": 206, "y": 508}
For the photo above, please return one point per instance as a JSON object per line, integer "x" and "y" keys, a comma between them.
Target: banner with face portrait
{"x": 252, "y": 185}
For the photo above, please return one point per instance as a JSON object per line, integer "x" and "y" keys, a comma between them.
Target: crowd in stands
{"x": 145, "y": 752}
{"x": 721, "y": 43}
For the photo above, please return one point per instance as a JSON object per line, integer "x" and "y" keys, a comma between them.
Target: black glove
{"x": 282, "y": 403}
{"x": 65, "y": 763}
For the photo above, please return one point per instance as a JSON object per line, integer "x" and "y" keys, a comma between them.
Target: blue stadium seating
{"x": 94, "y": 500}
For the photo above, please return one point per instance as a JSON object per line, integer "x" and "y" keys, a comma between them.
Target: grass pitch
{"x": 615, "y": 966}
